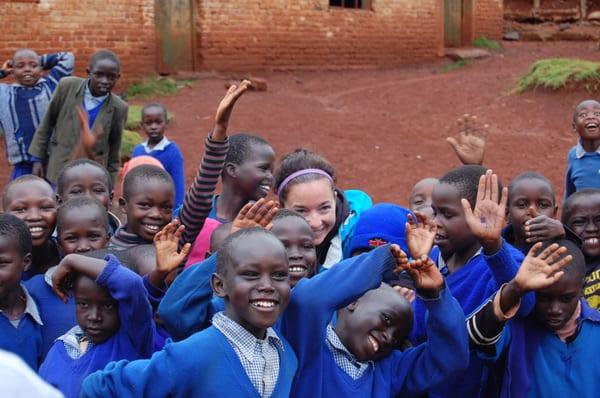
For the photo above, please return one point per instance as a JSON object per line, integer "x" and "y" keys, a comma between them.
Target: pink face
{"x": 315, "y": 200}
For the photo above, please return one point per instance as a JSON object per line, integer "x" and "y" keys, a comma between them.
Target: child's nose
{"x": 94, "y": 314}
{"x": 33, "y": 213}
{"x": 83, "y": 246}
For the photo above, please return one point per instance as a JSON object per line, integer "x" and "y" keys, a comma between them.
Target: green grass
{"x": 461, "y": 63}
{"x": 128, "y": 142}
{"x": 134, "y": 117}
{"x": 484, "y": 42}
{"x": 561, "y": 73}
{"x": 155, "y": 86}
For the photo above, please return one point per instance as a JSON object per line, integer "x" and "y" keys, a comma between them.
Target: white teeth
{"x": 592, "y": 241}
{"x": 264, "y": 303}
{"x": 374, "y": 343}
{"x": 152, "y": 227}
{"x": 297, "y": 269}
{"x": 35, "y": 230}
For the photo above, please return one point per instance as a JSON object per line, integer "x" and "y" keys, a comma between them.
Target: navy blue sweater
{"x": 133, "y": 340}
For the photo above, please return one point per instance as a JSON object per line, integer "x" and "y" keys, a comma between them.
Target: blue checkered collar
{"x": 245, "y": 342}
{"x": 580, "y": 152}
{"x": 31, "y": 307}
{"x": 335, "y": 342}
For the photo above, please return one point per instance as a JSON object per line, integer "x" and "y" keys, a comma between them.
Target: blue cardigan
{"x": 472, "y": 285}
{"x": 188, "y": 306}
{"x": 204, "y": 365}
{"x": 133, "y": 340}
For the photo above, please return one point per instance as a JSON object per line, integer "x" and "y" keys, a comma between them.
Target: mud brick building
{"x": 239, "y": 35}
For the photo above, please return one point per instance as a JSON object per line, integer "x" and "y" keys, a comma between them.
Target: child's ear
{"x": 217, "y": 283}
{"x": 111, "y": 195}
{"x": 58, "y": 199}
{"x": 122, "y": 205}
{"x": 27, "y": 261}
{"x": 231, "y": 169}
{"x": 352, "y": 306}
{"x": 555, "y": 211}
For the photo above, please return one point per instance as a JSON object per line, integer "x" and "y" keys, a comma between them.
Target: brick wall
{"x": 488, "y": 18}
{"x": 307, "y": 34}
{"x": 82, "y": 26}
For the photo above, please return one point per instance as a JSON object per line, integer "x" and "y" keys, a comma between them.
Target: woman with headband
{"x": 305, "y": 182}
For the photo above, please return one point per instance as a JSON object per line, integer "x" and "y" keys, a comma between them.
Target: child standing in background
{"x": 154, "y": 124}
{"x": 23, "y": 104}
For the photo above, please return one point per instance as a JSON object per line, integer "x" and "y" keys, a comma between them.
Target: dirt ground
{"x": 384, "y": 129}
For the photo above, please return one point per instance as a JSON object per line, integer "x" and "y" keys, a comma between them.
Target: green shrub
{"x": 560, "y": 73}
{"x": 134, "y": 117}
{"x": 155, "y": 86}
{"x": 484, "y": 42}
{"x": 461, "y": 63}
{"x": 128, "y": 142}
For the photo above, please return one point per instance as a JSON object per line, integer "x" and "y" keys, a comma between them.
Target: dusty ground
{"x": 384, "y": 129}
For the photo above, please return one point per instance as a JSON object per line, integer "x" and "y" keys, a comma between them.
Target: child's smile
{"x": 296, "y": 236}
{"x": 584, "y": 220}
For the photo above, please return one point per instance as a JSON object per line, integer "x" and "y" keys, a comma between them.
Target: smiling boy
{"x": 58, "y": 134}
{"x": 584, "y": 158}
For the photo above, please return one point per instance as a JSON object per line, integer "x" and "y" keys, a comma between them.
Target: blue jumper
{"x": 171, "y": 158}
{"x": 583, "y": 170}
{"x": 204, "y": 365}
{"x": 133, "y": 340}
{"x": 472, "y": 285}
{"x": 539, "y": 364}
{"x": 57, "y": 316}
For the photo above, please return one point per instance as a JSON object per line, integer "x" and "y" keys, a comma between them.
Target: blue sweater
{"x": 539, "y": 364}
{"x": 172, "y": 160}
{"x": 205, "y": 365}
{"x": 24, "y": 340}
{"x": 583, "y": 170}
{"x": 472, "y": 284}
{"x": 57, "y": 316}
{"x": 133, "y": 340}
{"x": 188, "y": 306}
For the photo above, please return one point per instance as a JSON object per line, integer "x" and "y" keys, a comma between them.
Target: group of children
{"x": 475, "y": 290}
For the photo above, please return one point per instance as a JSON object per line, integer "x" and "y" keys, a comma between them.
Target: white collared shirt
{"x": 160, "y": 146}
{"x": 580, "y": 152}
{"x": 30, "y": 308}
{"x": 89, "y": 101}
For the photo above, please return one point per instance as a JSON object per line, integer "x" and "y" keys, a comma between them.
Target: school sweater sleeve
{"x": 175, "y": 167}
{"x": 569, "y": 184}
{"x": 198, "y": 200}
{"x": 60, "y": 65}
{"x": 135, "y": 312}
{"x": 417, "y": 370}
{"x": 41, "y": 138}
{"x": 188, "y": 305}
{"x": 504, "y": 265}
{"x": 113, "y": 163}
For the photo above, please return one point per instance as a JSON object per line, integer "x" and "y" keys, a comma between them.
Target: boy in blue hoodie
{"x": 552, "y": 352}
{"x": 470, "y": 214}
{"x": 240, "y": 354}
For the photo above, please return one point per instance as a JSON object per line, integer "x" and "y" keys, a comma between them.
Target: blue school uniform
{"x": 540, "y": 364}
{"x": 57, "y": 316}
{"x": 23, "y": 336}
{"x": 583, "y": 170}
{"x": 133, "y": 339}
{"x": 471, "y": 285}
{"x": 169, "y": 154}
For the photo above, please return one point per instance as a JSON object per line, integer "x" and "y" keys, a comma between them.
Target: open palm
{"x": 420, "y": 234}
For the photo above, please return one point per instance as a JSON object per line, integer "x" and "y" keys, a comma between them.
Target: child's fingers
{"x": 242, "y": 213}
{"x": 548, "y": 251}
{"x": 535, "y": 249}
{"x": 554, "y": 257}
{"x": 494, "y": 188}
{"x": 453, "y": 143}
{"x": 179, "y": 232}
{"x": 556, "y": 276}
{"x": 562, "y": 263}
{"x": 411, "y": 220}
{"x": 467, "y": 209}
{"x": 481, "y": 188}
{"x": 185, "y": 250}
{"x": 504, "y": 198}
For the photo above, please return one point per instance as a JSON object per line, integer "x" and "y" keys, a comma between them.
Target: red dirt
{"x": 384, "y": 129}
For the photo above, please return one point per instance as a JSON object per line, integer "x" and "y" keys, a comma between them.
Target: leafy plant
{"x": 484, "y": 42}
{"x": 560, "y": 73}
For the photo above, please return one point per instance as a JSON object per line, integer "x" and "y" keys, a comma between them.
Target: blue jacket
{"x": 582, "y": 170}
{"x": 133, "y": 339}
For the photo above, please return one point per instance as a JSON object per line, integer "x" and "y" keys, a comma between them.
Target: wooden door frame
{"x": 160, "y": 66}
{"x": 467, "y": 24}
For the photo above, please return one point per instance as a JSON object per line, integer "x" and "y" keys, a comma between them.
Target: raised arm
{"x": 469, "y": 144}
{"x": 60, "y": 65}
{"x": 113, "y": 163}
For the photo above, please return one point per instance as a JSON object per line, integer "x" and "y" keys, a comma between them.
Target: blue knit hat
{"x": 381, "y": 224}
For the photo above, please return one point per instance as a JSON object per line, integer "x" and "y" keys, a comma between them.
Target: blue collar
{"x": 588, "y": 313}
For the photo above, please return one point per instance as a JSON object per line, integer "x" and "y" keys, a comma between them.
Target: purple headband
{"x": 301, "y": 173}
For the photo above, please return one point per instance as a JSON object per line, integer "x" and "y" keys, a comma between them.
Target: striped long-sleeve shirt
{"x": 198, "y": 200}
{"x": 22, "y": 108}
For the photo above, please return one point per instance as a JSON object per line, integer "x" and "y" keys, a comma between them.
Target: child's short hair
{"x": 466, "y": 180}
{"x": 225, "y": 258}
{"x": 529, "y": 175}
{"x": 77, "y": 203}
{"x": 60, "y": 181}
{"x": 101, "y": 55}
{"x": 25, "y": 50}
{"x": 240, "y": 146}
{"x": 155, "y": 105}
{"x": 14, "y": 227}
{"x": 17, "y": 181}
{"x": 582, "y": 103}
{"x": 577, "y": 265}
{"x": 143, "y": 173}
{"x": 301, "y": 159}
{"x": 568, "y": 205}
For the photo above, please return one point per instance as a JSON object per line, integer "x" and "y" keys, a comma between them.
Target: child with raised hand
{"x": 31, "y": 199}
{"x": 532, "y": 212}
{"x": 202, "y": 212}
{"x": 240, "y": 353}
{"x": 550, "y": 353}
{"x": 24, "y": 103}
{"x": 154, "y": 123}
{"x": 59, "y": 132}
{"x": 581, "y": 214}
{"x": 305, "y": 183}
{"x": 470, "y": 211}
{"x": 85, "y": 177}
{"x": 20, "y": 322}
{"x": 147, "y": 200}
{"x": 113, "y": 313}
{"x": 584, "y": 158}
